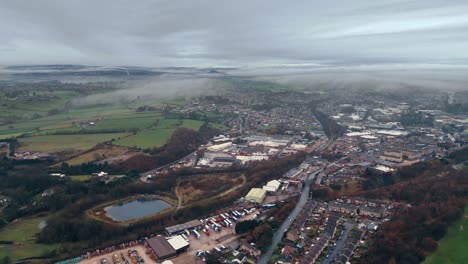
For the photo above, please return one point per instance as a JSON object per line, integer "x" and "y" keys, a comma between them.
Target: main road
{"x": 287, "y": 223}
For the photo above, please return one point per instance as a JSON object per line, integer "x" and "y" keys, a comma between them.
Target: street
{"x": 339, "y": 244}
{"x": 286, "y": 224}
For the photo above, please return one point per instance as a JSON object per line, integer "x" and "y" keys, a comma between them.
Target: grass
{"x": 80, "y": 178}
{"x": 150, "y": 138}
{"x": 192, "y": 124}
{"x": 130, "y": 122}
{"x": 452, "y": 248}
{"x": 65, "y": 142}
{"x": 97, "y": 154}
{"x": 159, "y": 135}
{"x": 23, "y": 233}
{"x": 8, "y": 136}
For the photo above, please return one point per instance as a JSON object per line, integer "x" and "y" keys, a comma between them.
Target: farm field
{"x": 23, "y": 233}
{"x": 452, "y": 248}
{"x": 80, "y": 178}
{"x": 61, "y": 121}
{"x": 97, "y": 154}
{"x": 151, "y": 138}
{"x": 65, "y": 142}
{"x": 158, "y": 136}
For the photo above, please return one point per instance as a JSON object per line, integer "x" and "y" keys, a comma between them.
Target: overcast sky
{"x": 233, "y": 33}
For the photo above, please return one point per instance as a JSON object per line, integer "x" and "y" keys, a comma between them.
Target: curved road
{"x": 286, "y": 224}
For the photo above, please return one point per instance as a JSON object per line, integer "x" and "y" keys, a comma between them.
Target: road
{"x": 339, "y": 244}
{"x": 189, "y": 156}
{"x": 286, "y": 224}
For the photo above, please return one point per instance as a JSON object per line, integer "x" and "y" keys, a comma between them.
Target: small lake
{"x": 135, "y": 209}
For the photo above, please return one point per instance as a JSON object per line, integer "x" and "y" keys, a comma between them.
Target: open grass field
{"x": 23, "y": 233}
{"x": 80, "y": 178}
{"x": 6, "y": 136}
{"x": 112, "y": 122}
{"x": 97, "y": 154}
{"x": 24, "y": 123}
{"x": 151, "y": 138}
{"x": 124, "y": 123}
{"x": 453, "y": 247}
{"x": 157, "y": 136}
{"x": 75, "y": 142}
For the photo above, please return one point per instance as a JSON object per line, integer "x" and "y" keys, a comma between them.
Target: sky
{"x": 250, "y": 33}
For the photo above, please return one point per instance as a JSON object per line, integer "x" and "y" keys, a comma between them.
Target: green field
{"x": 23, "y": 233}
{"x": 150, "y": 138}
{"x": 65, "y": 142}
{"x": 125, "y": 123}
{"x": 157, "y": 136}
{"x": 62, "y": 130}
{"x": 452, "y": 248}
{"x": 81, "y": 178}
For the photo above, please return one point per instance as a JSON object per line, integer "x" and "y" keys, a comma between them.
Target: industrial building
{"x": 256, "y": 195}
{"x": 178, "y": 243}
{"x": 219, "y": 147}
{"x": 177, "y": 229}
{"x": 161, "y": 247}
{"x": 272, "y": 186}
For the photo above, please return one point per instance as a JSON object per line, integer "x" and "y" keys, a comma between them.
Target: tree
{"x": 263, "y": 236}
{"x": 6, "y": 260}
{"x": 246, "y": 226}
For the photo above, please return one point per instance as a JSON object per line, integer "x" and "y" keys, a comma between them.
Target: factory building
{"x": 256, "y": 195}
{"x": 272, "y": 186}
{"x": 177, "y": 229}
{"x": 161, "y": 247}
{"x": 178, "y": 243}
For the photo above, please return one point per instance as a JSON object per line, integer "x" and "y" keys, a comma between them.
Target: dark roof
{"x": 341, "y": 259}
{"x": 185, "y": 226}
{"x": 224, "y": 159}
{"x": 161, "y": 247}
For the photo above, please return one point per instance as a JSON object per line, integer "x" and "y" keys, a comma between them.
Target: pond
{"x": 135, "y": 209}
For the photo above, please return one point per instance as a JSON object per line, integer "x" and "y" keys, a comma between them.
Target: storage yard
{"x": 122, "y": 256}
{"x": 185, "y": 243}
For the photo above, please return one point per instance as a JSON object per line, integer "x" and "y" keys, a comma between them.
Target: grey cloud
{"x": 237, "y": 33}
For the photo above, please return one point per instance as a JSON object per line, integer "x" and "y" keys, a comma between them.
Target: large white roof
{"x": 274, "y": 183}
{"x": 177, "y": 242}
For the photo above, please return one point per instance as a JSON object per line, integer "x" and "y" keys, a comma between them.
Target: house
{"x": 250, "y": 249}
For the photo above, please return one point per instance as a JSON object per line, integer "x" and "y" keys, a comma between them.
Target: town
{"x": 347, "y": 147}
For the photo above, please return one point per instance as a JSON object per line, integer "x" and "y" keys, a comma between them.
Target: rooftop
{"x": 161, "y": 247}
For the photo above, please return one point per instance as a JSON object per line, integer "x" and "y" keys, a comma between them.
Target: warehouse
{"x": 272, "y": 186}
{"x": 256, "y": 195}
{"x": 176, "y": 229}
{"x": 161, "y": 247}
{"x": 178, "y": 243}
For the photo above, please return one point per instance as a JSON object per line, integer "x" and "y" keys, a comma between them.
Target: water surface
{"x": 135, "y": 209}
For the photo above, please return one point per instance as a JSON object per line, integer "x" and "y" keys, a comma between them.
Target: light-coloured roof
{"x": 274, "y": 183}
{"x": 177, "y": 242}
{"x": 383, "y": 168}
{"x": 257, "y": 192}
